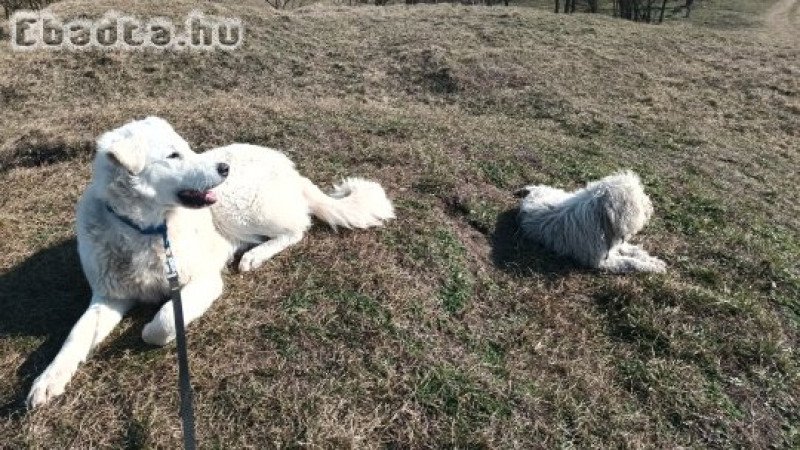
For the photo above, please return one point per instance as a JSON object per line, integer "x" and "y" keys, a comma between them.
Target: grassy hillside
{"x": 443, "y": 329}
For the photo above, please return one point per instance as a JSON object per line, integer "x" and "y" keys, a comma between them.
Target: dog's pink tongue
{"x": 209, "y": 197}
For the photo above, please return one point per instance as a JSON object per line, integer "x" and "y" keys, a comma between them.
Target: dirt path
{"x": 783, "y": 19}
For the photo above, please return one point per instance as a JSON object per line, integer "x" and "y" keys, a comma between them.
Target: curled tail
{"x": 356, "y": 203}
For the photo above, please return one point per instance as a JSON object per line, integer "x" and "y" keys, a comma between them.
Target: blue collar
{"x": 158, "y": 229}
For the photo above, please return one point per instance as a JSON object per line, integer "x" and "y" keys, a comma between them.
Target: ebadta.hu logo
{"x": 32, "y": 30}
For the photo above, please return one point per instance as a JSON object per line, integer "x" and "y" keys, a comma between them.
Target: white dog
{"x": 591, "y": 225}
{"x": 145, "y": 177}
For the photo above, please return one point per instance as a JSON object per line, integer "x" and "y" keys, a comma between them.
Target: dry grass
{"x": 441, "y": 330}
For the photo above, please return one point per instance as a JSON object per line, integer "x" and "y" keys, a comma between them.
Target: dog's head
{"x": 148, "y": 160}
{"x": 625, "y": 207}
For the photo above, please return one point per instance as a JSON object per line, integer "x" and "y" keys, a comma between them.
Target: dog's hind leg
{"x": 196, "y": 297}
{"x": 94, "y": 325}
{"x": 258, "y": 255}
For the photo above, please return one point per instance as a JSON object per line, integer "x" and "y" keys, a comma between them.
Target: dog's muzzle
{"x": 195, "y": 198}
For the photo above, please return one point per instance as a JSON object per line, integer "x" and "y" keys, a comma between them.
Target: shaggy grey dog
{"x": 591, "y": 225}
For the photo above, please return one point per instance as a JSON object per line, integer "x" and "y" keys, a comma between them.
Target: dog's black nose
{"x": 522, "y": 193}
{"x": 223, "y": 169}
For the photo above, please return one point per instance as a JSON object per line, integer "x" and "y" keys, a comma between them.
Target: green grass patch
{"x": 457, "y": 289}
{"x": 467, "y": 404}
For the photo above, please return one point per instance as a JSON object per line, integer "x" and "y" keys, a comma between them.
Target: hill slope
{"x": 442, "y": 329}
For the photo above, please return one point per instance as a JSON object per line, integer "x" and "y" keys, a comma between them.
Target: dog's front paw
{"x": 250, "y": 261}
{"x": 658, "y": 266}
{"x": 47, "y": 386}
{"x": 154, "y": 333}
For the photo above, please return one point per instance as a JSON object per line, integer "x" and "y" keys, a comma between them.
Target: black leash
{"x": 184, "y": 383}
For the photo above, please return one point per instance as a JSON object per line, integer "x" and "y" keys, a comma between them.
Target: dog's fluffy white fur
{"x": 147, "y": 174}
{"x": 591, "y": 225}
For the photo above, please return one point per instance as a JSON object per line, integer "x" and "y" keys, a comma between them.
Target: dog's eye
{"x": 174, "y": 155}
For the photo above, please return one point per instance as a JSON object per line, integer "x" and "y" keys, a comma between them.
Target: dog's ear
{"x": 128, "y": 154}
{"x": 522, "y": 193}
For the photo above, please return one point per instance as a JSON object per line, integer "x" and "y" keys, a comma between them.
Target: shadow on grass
{"x": 36, "y": 149}
{"x": 43, "y": 297}
{"x": 625, "y": 324}
{"x": 520, "y": 257}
